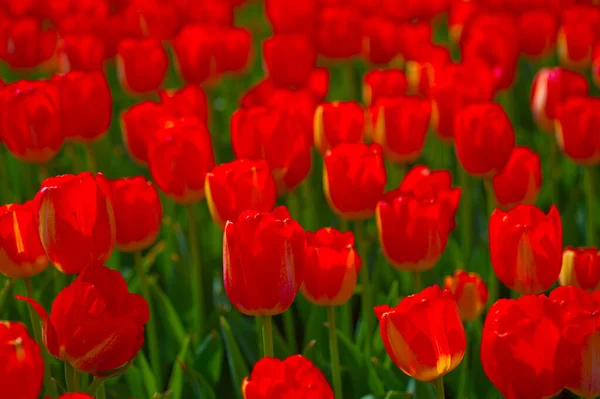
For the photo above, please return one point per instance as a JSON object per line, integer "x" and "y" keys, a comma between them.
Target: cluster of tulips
{"x": 536, "y": 339}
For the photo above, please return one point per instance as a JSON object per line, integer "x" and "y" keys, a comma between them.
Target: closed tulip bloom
{"x": 414, "y": 221}
{"x": 414, "y": 36}
{"x": 338, "y": 122}
{"x": 469, "y": 291}
{"x": 460, "y": 15}
{"x": 81, "y": 52}
{"x": 263, "y": 260}
{"x": 331, "y": 266}
{"x": 179, "y": 157}
{"x": 424, "y": 334}
{"x": 380, "y": 42}
{"x": 21, "y": 252}
{"x": 400, "y": 126}
{"x": 577, "y": 35}
{"x": 109, "y": 336}
{"x": 519, "y": 347}
{"x": 483, "y": 139}
{"x": 520, "y": 180}
{"x": 427, "y": 63}
{"x": 578, "y": 129}
{"x": 138, "y": 212}
{"x": 581, "y": 268}
{"x": 354, "y": 178}
{"x": 24, "y": 43}
{"x": 383, "y": 83}
{"x": 239, "y": 186}
{"x": 537, "y": 32}
{"x": 291, "y": 16}
{"x": 526, "y": 248}
{"x": 339, "y": 32}
{"x": 86, "y": 105}
{"x": 138, "y": 125}
{"x": 294, "y": 377}
{"x": 188, "y": 101}
{"x": 22, "y": 367}
{"x": 31, "y": 120}
{"x": 134, "y": 60}
{"x": 76, "y": 221}
{"x": 289, "y": 59}
{"x": 75, "y": 396}
{"x": 596, "y": 65}
{"x": 552, "y": 87}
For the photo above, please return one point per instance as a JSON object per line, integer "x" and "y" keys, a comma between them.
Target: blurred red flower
{"x": 134, "y": 60}
{"x": 338, "y": 122}
{"x": 84, "y": 52}
{"x": 383, "y": 83}
{"x": 520, "y": 180}
{"x": 289, "y": 59}
{"x": 581, "y": 268}
{"x": 537, "y": 32}
{"x": 190, "y": 100}
{"x": 24, "y": 43}
{"x": 579, "y": 31}
{"x": 470, "y": 293}
{"x": 339, "y": 32}
{"x": 578, "y": 129}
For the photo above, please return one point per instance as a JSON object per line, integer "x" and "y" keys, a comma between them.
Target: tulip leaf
{"x": 147, "y": 376}
{"x": 389, "y": 378}
{"x": 209, "y": 358}
{"x": 199, "y": 385}
{"x": 165, "y": 308}
{"x": 394, "y": 294}
{"x": 237, "y": 365}
{"x": 176, "y": 381}
{"x": 314, "y": 325}
{"x": 135, "y": 383}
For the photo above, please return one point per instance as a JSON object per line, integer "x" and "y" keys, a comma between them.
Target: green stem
{"x": 71, "y": 378}
{"x": 367, "y": 300}
{"x": 3, "y": 294}
{"x": 152, "y": 335}
{"x": 439, "y": 388}
{"x": 293, "y": 206}
{"x": 101, "y": 392}
{"x": 466, "y": 215}
{"x": 43, "y": 172}
{"x": 267, "y": 332}
{"x": 417, "y": 283}
{"x": 396, "y": 174}
{"x": 350, "y": 81}
{"x": 91, "y": 158}
{"x": 198, "y": 306}
{"x": 346, "y": 309}
{"x": 554, "y": 171}
{"x": 95, "y": 386}
{"x": 590, "y": 203}
{"x": 309, "y": 204}
{"x": 290, "y": 329}
{"x": 49, "y": 386}
{"x": 463, "y": 369}
{"x": 259, "y": 335}
{"x": 335, "y": 353}
{"x": 493, "y": 283}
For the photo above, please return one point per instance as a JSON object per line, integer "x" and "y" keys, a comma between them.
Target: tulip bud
{"x": 24, "y": 42}
{"x": 289, "y": 59}
{"x": 580, "y": 268}
{"x": 291, "y": 16}
{"x": 537, "y": 33}
{"x": 339, "y": 32}
{"x": 577, "y": 129}
{"x": 380, "y": 41}
{"x": 133, "y": 61}
{"x": 336, "y": 123}
{"x": 188, "y": 101}
{"x": 577, "y": 35}
{"x": 81, "y": 52}
{"x": 470, "y": 293}
{"x": 383, "y": 83}
{"x": 520, "y": 180}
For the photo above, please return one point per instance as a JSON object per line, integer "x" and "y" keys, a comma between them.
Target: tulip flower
{"x": 526, "y": 248}
{"x": 577, "y": 35}
{"x": 426, "y": 63}
{"x": 424, "y": 334}
{"x": 380, "y": 42}
{"x": 578, "y": 129}
{"x": 383, "y": 83}
{"x": 22, "y": 367}
{"x": 520, "y": 180}
{"x": 578, "y": 350}
{"x": 400, "y": 126}
{"x": 25, "y": 43}
{"x": 212, "y": 13}
{"x": 21, "y": 252}
{"x": 338, "y": 122}
{"x": 188, "y": 101}
{"x": 76, "y": 396}
{"x": 413, "y": 37}
{"x": 354, "y": 178}
{"x": 76, "y": 221}
{"x": 138, "y": 212}
{"x": 414, "y": 221}
{"x": 537, "y": 32}
{"x": 158, "y": 20}
{"x": 139, "y": 124}
{"x": 86, "y": 105}
{"x": 31, "y": 120}
{"x": 133, "y": 61}
{"x": 187, "y": 149}
{"x": 461, "y": 14}
{"x": 596, "y": 65}
{"x": 519, "y": 347}
{"x": 239, "y": 186}
{"x": 81, "y": 52}
{"x": 339, "y": 32}
{"x": 581, "y": 268}
{"x": 289, "y": 59}
{"x": 470, "y": 293}
{"x": 552, "y": 87}
{"x": 483, "y": 139}
{"x": 294, "y": 376}
{"x": 291, "y": 16}
{"x": 107, "y": 339}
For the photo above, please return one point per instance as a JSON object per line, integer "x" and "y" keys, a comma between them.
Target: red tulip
{"x": 294, "y": 377}
{"x": 95, "y": 324}
{"x": 291, "y": 16}
{"x": 380, "y": 42}
{"x": 520, "y": 180}
{"x": 519, "y": 347}
{"x": 526, "y": 248}
{"x": 552, "y": 87}
{"x": 289, "y": 59}
{"x": 338, "y": 122}
{"x": 339, "y": 32}
{"x": 426, "y": 64}
{"x": 239, "y": 186}
{"x": 24, "y": 43}
{"x": 579, "y": 31}
{"x": 76, "y": 221}
{"x": 157, "y": 19}
{"x": 424, "y": 335}
{"x": 186, "y": 148}
{"x": 413, "y": 37}
{"x": 138, "y": 213}
{"x": 22, "y": 367}
{"x": 84, "y": 52}
{"x": 21, "y": 252}
{"x": 75, "y": 396}
{"x": 483, "y": 139}
{"x": 461, "y": 14}
{"x": 581, "y": 268}
{"x": 86, "y": 105}
{"x": 470, "y": 293}
{"x": 596, "y": 65}
{"x": 188, "y": 101}
{"x": 578, "y": 129}
{"x": 331, "y": 266}
{"x": 31, "y": 120}
{"x": 264, "y": 93}
{"x": 138, "y": 125}
{"x": 134, "y": 60}
{"x": 400, "y": 126}
{"x": 383, "y": 83}
{"x": 354, "y": 178}
{"x": 414, "y": 221}
{"x": 537, "y": 32}
{"x": 263, "y": 259}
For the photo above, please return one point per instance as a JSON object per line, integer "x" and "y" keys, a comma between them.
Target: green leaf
{"x": 199, "y": 385}
{"x": 394, "y": 294}
{"x": 135, "y": 383}
{"x": 209, "y": 357}
{"x": 237, "y": 365}
{"x": 314, "y": 325}
{"x": 165, "y": 308}
{"x": 147, "y": 376}
{"x": 176, "y": 381}
{"x": 389, "y": 378}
